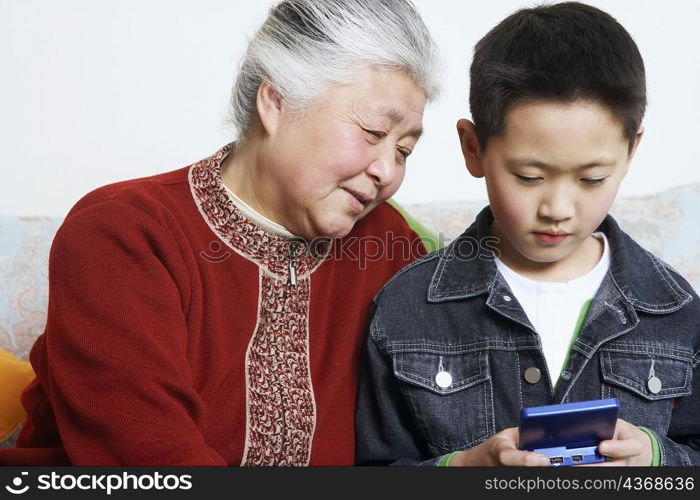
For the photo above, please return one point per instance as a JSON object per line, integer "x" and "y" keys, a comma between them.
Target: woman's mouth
{"x": 358, "y": 201}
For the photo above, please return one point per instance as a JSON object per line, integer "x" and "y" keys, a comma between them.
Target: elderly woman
{"x": 213, "y": 315}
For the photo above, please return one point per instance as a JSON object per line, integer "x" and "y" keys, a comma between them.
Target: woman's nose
{"x": 383, "y": 167}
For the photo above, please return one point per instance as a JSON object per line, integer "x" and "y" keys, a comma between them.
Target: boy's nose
{"x": 558, "y": 205}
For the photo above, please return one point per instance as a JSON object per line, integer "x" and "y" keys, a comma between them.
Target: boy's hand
{"x": 499, "y": 449}
{"x": 629, "y": 446}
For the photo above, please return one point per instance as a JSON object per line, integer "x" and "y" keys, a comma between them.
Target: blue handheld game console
{"x": 569, "y": 433}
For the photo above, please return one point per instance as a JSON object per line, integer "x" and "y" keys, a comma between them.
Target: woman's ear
{"x": 471, "y": 150}
{"x": 269, "y": 105}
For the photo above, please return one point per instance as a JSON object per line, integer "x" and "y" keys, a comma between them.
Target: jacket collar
{"x": 466, "y": 268}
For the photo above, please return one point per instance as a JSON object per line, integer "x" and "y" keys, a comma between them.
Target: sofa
{"x": 666, "y": 223}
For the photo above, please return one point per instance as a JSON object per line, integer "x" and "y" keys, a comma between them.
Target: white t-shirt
{"x": 554, "y": 308}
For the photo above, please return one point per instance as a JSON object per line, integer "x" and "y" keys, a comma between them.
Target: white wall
{"x": 94, "y": 92}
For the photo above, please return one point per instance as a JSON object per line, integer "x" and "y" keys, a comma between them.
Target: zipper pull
{"x": 292, "y": 265}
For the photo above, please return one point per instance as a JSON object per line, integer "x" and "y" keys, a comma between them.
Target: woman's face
{"x": 345, "y": 155}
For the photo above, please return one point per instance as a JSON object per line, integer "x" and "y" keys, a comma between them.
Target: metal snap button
{"x": 654, "y": 385}
{"x": 565, "y": 375}
{"x": 443, "y": 379}
{"x": 507, "y": 298}
{"x": 532, "y": 375}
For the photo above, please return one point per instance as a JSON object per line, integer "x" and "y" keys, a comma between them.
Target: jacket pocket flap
{"x": 633, "y": 372}
{"x": 422, "y": 368}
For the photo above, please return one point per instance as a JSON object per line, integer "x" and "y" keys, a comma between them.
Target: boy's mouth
{"x": 550, "y": 238}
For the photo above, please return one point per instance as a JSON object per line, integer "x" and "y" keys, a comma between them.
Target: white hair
{"x": 306, "y": 46}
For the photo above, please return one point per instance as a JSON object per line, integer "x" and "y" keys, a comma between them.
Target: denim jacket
{"x": 453, "y": 311}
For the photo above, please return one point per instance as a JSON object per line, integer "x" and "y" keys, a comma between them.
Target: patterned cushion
{"x": 24, "y": 253}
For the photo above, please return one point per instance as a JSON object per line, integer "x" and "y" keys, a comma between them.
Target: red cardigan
{"x": 180, "y": 332}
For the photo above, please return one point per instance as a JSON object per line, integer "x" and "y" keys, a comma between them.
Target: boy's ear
{"x": 637, "y": 140}
{"x": 633, "y": 149}
{"x": 269, "y": 106}
{"x": 471, "y": 150}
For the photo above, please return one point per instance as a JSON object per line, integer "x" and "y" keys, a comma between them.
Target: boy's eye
{"x": 593, "y": 181}
{"x": 528, "y": 180}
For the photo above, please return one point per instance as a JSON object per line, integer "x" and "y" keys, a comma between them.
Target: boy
{"x": 560, "y": 305}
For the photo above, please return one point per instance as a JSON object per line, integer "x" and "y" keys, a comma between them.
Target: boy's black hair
{"x": 561, "y": 52}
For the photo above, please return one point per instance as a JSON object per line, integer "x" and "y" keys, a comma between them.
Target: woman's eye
{"x": 528, "y": 180}
{"x": 402, "y": 154}
{"x": 593, "y": 182}
{"x": 377, "y": 134}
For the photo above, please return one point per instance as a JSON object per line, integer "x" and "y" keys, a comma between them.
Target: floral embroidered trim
{"x": 242, "y": 234}
{"x": 280, "y": 406}
{"x": 281, "y": 412}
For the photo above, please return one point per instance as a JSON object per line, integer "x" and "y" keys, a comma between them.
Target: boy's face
{"x": 551, "y": 179}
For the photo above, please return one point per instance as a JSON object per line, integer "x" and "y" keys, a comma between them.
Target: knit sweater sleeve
{"x": 113, "y": 360}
